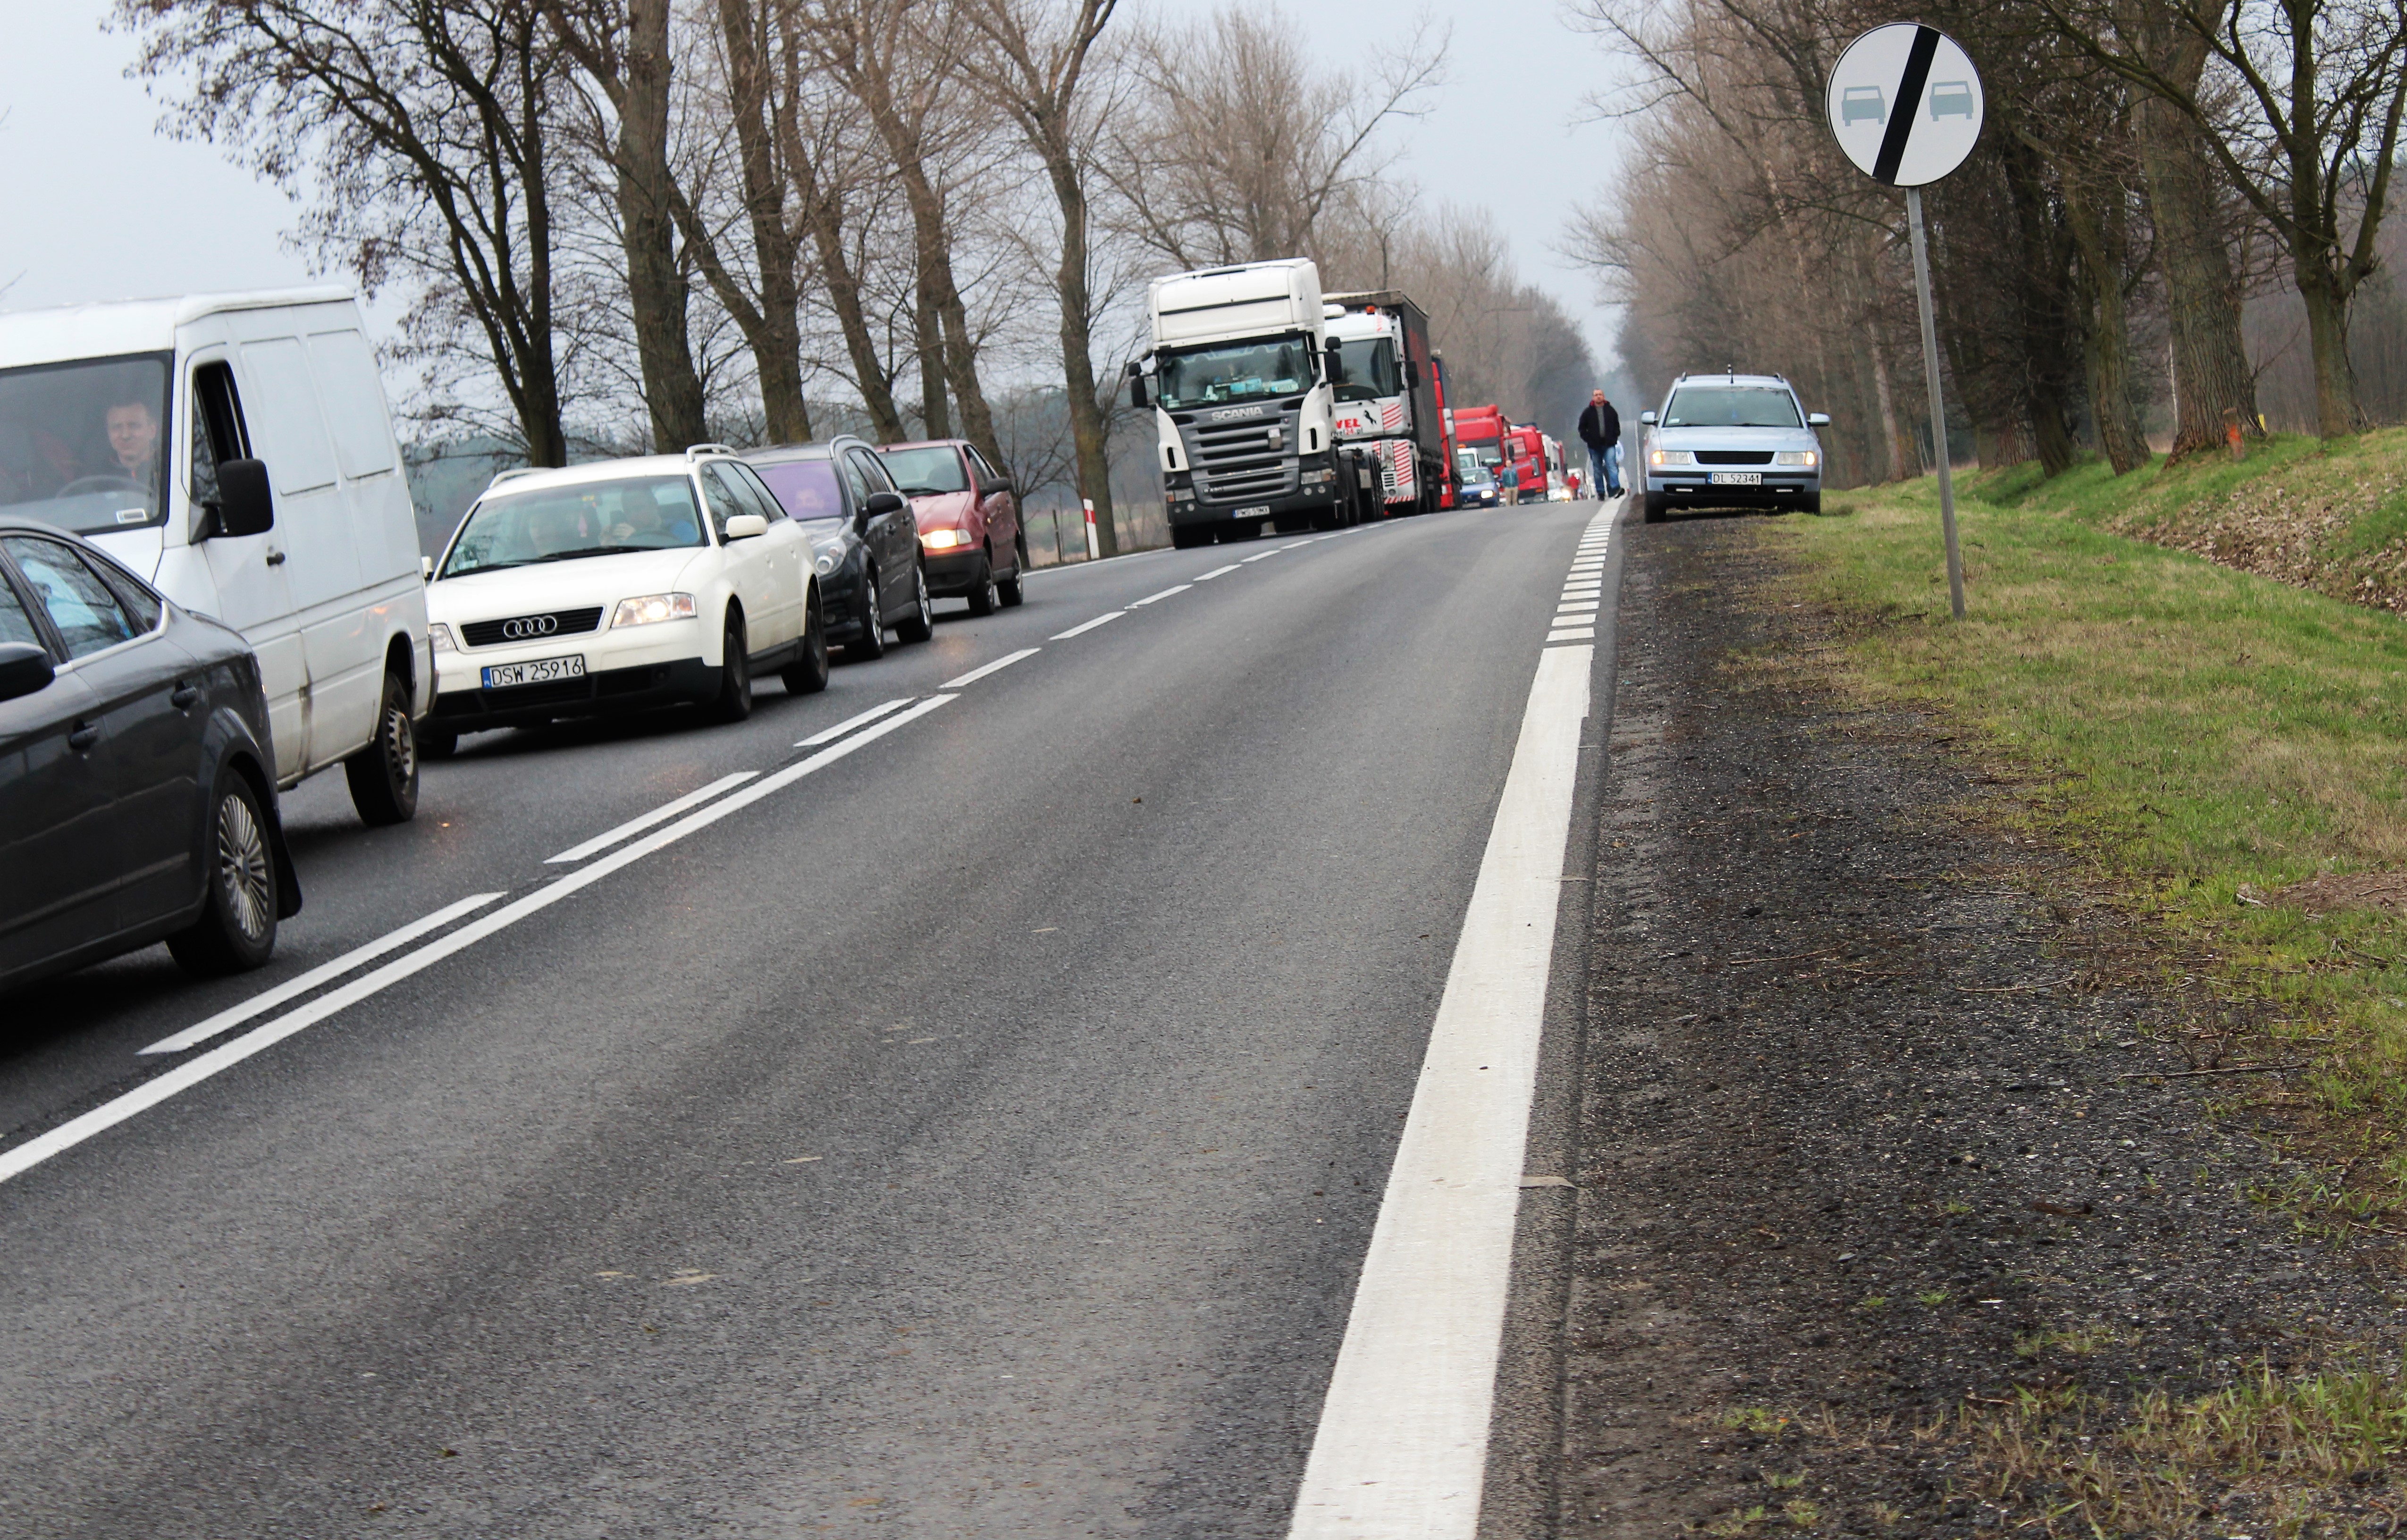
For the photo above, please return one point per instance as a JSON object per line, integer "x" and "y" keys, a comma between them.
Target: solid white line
{"x": 840, "y": 729}
{"x": 193, "y": 1072}
{"x": 1207, "y": 577}
{"x": 1065, "y": 635}
{"x": 975, "y": 675}
{"x": 1402, "y": 1443}
{"x": 1263, "y": 557}
{"x": 293, "y": 989}
{"x": 1164, "y": 595}
{"x": 661, "y": 814}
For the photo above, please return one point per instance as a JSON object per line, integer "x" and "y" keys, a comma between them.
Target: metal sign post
{"x": 1905, "y": 105}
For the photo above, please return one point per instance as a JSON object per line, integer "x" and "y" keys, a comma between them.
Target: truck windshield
{"x": 563, "y": 524}
{"x": 1209, "y": 375}
{"x": 83, "y": 444}
{"x": 1731, "y": 406}
{"x": 1370, "y": 369}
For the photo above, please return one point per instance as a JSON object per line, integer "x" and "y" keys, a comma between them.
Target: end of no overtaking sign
{"x": 1905, "y": 104}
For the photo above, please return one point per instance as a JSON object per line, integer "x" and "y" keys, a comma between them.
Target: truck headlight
{"x": 1315, "y": 478}
{"x": 438, "y": 637}
{"x": 1796, "y": 457}
{"x": 1672, "y": 457}
{"x": 651, "y": 609}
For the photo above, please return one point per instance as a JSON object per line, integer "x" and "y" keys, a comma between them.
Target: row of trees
{"x": 2149, "y": 168}
{"x": 619, "y": 221}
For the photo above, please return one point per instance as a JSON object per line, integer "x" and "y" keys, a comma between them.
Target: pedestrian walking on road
{"x": 1508, "y": 477}
{"x": 1600, "y": 429}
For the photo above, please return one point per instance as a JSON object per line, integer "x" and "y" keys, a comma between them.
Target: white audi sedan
{"x": 621, "y": 586}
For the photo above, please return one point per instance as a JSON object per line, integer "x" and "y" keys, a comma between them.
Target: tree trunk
{"x": 774, "y": 333}
{"x": 940, "y": 294}
{"x": 2106, "y": 341}
{"x": 2336, "y": 413}
{"x": 1089, "y": 432}
{"x": 2201, "y": 291}
{"x": 928, "y": 336}
{"x": 656, "y": 288}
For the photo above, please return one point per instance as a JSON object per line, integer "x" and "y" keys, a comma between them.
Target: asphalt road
{"x": 976, "y": 1133}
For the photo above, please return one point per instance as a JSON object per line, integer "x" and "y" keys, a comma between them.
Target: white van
{"x": 235, "y": 451}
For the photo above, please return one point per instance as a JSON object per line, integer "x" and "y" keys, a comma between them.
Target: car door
{"x": 893, "y": 536}
{"x": 156, "y": 697}
{"x": 748, "y": 562}
{"x": 247, "y": 573}
{"x": 789, "y": 547}
{"x": 1000, "y": 502}
{"x": 58, "y": 844}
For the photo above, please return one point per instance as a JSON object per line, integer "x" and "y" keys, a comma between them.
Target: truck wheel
{"x": 808, "y": 674}
{"x": 921, "y": 623}
{"x": 1188, "y": 536}
{"x": 1658, "y": 507}
{"x": 384, "y": 775}
{"x": 236, "y": 928}
{"x": 735, "y": 702}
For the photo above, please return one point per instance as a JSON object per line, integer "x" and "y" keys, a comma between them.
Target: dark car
{"x": 137, "y": 782}
{"x": 970, "y": 539}
{"x": 865, "y": 542}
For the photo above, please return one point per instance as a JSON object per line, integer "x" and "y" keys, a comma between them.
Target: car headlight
{"x": 439, "y": 636}
{"x": 648, "y": 608}
{"x": 1796, "y": 457}
{"x": 1672, "y": 457}
{"x": 828, "y": 560}
{"x": 945, "y": 539}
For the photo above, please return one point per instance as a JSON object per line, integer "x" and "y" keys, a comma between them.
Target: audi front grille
{"x": 531, "y": 628}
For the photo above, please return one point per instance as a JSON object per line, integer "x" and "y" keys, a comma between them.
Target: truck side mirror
{"x": 244, "y": 504}
{"x": 1412, "y": 374}
{"x": 1336, "y": 364}
{"x": 1136, "y": 386}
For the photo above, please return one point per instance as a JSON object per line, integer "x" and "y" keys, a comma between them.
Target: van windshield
{"x": 83, "y": 444}
{"x": 563, "y": 524}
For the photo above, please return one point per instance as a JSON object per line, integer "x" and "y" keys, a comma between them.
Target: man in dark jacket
{"x": 1600, "y": 429}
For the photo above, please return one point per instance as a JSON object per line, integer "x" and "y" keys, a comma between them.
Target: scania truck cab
{"x": 1387, "y": 401}
{"x": 1242, "y": 397}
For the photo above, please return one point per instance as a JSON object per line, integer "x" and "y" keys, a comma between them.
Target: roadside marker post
{"x": 1905, "y": 104}
{"x": 1094, "y": 544}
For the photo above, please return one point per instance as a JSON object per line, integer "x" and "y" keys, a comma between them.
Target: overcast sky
{"x": 108, "y": 207}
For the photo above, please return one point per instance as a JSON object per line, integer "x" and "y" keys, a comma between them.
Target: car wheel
{"x": 384, "y": 775}
{"x": 808, "y": 674}
{"x": 1658, "y": 507}
{"x": 873, "y": 620}
{"x": 236, "y": 928}
{"x": 1810, "y": 502}
{"x": 1015, "y": 592}
{"x": 983, "y": 598}
{"x": 921, "y": 623}
{"x": 734, "y": 701}
{"x": 433, "y": 745}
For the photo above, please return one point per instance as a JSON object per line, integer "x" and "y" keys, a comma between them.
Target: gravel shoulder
{"x": 1884, "y": 1174}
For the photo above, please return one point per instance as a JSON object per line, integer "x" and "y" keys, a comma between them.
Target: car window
{"x": 86, "y": 613}
{"x": 854, "y": 475}
{"x": 724, "y": 503}
{"x": 145, "y": 606}
{"x": 747, "y": 486}
{"x": 508, "y": 529}
{"x": 1732, "y": 406}
{"x": 873, "y": 470}
{"x": 807, "y": 488}
{"x": 15, "y": 624}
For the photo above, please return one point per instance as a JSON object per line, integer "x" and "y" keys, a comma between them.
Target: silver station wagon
{"x": 1731, "y": 441}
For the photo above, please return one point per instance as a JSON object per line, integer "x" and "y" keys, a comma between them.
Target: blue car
{"x": 1731, "y": 441}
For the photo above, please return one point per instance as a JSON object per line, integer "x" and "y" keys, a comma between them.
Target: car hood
{"x": 1734, "y": 438}
{"x": 566, "y": 585}
{"x": 942, "y": 510}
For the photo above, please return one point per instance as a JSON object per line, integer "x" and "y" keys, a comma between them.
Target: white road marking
{"x": 1585, "y": 606}
{"x": 33, "y": 1153}
{"x": 1065, "y": 635}
{"x": 293, "y": 989}
{"x": 1207, "y": 577}
{"x": 670, "y": 810}
{"x": 840, "y": 729}
{"x": 975, "y": 675}
{"x": 1292, "y": 544}
{"x": 1263, "y": 556}
{"x": 1402, "y": 1444}
{"x": 1164, "y": 595}
{"x": 1580, "y": 634}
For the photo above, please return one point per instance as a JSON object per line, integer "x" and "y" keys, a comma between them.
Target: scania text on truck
{"x": 1387, "y": 399}
{"x": 1243, "y": 390}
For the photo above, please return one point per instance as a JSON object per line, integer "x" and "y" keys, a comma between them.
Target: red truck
{"x": 1529, "y": 451}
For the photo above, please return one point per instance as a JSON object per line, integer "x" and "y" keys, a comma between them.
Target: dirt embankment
{"x": 2301, "y": 525}
{"x": 1898, "y": 1203}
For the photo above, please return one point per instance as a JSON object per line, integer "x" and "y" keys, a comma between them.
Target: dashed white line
{"x": 975, "y": 675}
{"x": 1164, "y": 595}
{"x": 33, "y": 1153}
{"x": 1260, "y": 556}
{"x": 1207, "y": 577}
{"x": 670, "y": 810}
{"x": 293, "y": 989}
{"x": 1077, "y": 630}
{"x": 840, "y": 729}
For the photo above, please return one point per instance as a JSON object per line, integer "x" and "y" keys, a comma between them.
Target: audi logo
{"x": 528, "y": 626}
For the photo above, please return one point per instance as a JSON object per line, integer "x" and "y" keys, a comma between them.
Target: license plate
{"x": 1261, "y": 511}
{"x": 1738, "y": 478}
{"x": 538, "y": 671}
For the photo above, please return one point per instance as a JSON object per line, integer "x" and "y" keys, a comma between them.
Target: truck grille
{"x": 565, "y": 622}
{"x": 1235, "y": 462}
{"x": 1733, "y": 457}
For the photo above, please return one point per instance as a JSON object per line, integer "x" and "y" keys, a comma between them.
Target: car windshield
{"x": 1370, "y": 369}
{"x": 508, "y": 529}
{"x": 921, "y": 471}
{"x": 805, "y": 489}
{"x": 1731, "y": 406}
{"x": 1209, "y": 375}
{"x": 81, "y": 444}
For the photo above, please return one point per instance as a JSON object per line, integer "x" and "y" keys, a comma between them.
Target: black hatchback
{"x": 138, "y": 789}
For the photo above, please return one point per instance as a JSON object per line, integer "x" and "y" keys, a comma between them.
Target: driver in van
{"x": 134, "y": 440}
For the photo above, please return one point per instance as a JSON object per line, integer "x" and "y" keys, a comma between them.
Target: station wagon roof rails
{"x": 513, "y": 474}
{"x": 694, "y": 452}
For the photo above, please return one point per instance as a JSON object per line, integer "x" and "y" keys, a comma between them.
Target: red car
{"x": 969, "y": 540}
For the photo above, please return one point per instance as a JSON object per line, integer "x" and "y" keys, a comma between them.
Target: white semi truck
{"x": 1388, "y": 400}
{"x": 1244, "y": 402}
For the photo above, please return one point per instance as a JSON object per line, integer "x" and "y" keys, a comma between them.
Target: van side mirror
{"x": 1817, "y": 420}
{"x": 1137, "y": 400}
{"x": 1647, "y": 417}
{"x": 23, "y": 669}
{"x": 245, "y": 506}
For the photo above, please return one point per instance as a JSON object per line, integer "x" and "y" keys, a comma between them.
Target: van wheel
{"x": 433, "y": 745}
{"x": 384, "y": 775}
{"x": 236, "y": 928}
{"x": 808, "y": 674}
{"x": 921, "y": 623}
{"x": 735, "y": 702}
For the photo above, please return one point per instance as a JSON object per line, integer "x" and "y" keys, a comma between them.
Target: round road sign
{"x": 1905, "y": 104}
